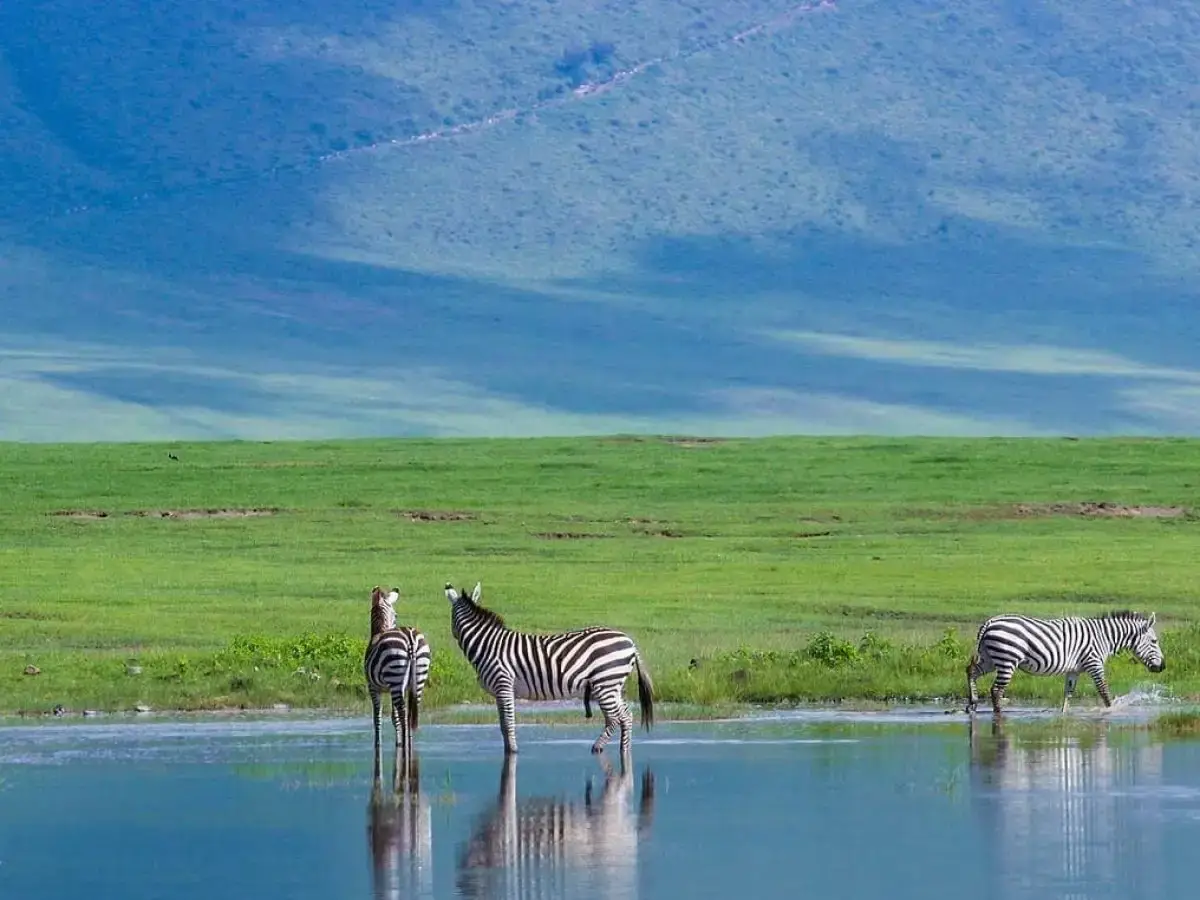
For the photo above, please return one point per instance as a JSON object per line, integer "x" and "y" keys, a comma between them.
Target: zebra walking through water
{"x": 1067, "y": 646}
{"x": 592, "y": 663}
{"x": 397, "y": 661}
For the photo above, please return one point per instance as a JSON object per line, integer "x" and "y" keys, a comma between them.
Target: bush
{"x": 831, "y": 651}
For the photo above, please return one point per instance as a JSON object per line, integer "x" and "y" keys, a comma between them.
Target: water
{"x": 817, "y": 804}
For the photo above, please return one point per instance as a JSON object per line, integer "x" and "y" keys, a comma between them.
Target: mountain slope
{"x": 253, "y": 218}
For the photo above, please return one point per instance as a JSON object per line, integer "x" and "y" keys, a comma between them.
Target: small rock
{"x": 142, "y": 708}
{"x": 60, "y": 710}
{"x": 282, "y": 707}
{"x": 133, "y": 670}
{"x": 32, "y": 670}
{"x": 90, "y": 712}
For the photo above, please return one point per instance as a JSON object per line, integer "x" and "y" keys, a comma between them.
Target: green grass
{"x": 787, "y": 569}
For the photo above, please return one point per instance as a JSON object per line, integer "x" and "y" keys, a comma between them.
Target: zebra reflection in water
{"x": 551, "y": 847}
{"x": 400, "y": 838}
{"x": 1061, "y": 810}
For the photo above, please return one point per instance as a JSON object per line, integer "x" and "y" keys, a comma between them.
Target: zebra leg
{"x": 974, "y": 670}
{"x": 505, "y": 706}
{"x": 1069, "y": 689}
{"x": 378, "y": 771}
{"x": 1004, "y": 675}
{"x": 609, "y": 703}
{"x": 399, "y": 721}
{"x": 625, "y": 717}
{"x": 1095, "y": 668}
{"x": 418, "y": 691}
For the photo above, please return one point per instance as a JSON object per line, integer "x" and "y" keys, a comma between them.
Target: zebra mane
{"x": 492, "y": 618}
{"x": 1127, "y": 615}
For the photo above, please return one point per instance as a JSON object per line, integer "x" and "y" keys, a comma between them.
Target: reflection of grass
{"x": 1081, "y": 732}
{"x": 305, "y": 773}
{"x": 748, "y": 571}
{"x": 1177, "y": 724}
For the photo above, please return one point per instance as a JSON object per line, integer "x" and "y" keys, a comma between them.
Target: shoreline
{"x": 560, "y": 713}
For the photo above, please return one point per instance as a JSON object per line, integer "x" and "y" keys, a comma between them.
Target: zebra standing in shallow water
{"x": 1066, "y": 646}
{"x": 592, "y": 663}
{"x": 397, "y": 661}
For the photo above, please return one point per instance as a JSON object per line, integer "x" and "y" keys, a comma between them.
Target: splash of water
{"x": 1149, "y": 694}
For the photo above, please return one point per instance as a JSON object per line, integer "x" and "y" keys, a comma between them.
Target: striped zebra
{"x": 400, "y": 840}
{"x": 1065, "y": 646}
{"x": 551, "y": 847}
{"x": 592, "y": 663}
{"x": 397, "y": 661}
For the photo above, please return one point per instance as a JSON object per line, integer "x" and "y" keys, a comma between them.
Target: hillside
{"x": 301, "y": 218}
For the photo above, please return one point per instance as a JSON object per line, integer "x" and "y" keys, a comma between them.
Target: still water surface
{"x": 858, "y": 806}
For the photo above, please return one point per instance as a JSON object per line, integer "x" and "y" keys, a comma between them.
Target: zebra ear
{"x": 451, "y": 594}
{"x": 477, "y": 593}
{"x": 1151, "y": 620}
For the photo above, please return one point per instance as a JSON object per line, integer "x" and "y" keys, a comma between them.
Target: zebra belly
{"x": 526, "y": 691}
{"x": 1033, "y": 667}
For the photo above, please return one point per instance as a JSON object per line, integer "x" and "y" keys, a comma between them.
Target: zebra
{"x": 528, "y": 848}
{"x": 591, "y": 662}
{"x": 1066, "y": 646}
{"x": 397, "y": 660}
{"x": 400, "y": 840}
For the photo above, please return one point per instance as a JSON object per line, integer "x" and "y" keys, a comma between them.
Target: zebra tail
{"x": 409, "y": 693}
{"x": 645, "y": 693}
{"x": 410, "y": 703}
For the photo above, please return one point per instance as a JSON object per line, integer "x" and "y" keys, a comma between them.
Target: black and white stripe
{"x": 537, "y": 846}
{"x": 1066, "y": 646}
{"x": 396, "y": 661}
{"x": 400, "y": 839}
{"x": 591, "y": 663}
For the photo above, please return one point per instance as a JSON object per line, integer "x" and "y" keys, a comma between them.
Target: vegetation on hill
{"x": 584, "y": 200}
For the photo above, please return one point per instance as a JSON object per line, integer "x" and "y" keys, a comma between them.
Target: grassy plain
{"x": 769, "y": 570}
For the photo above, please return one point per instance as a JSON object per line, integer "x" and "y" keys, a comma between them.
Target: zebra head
{"x": 1146, "y": 647}
{"x": 383, "y": 607}
{"x": 454, "y": 596}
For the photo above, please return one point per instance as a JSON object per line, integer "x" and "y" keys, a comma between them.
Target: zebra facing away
{"x": 397, "y": 661}
{"x": 592, "y": 663}
{"x": 1066, "y": 646}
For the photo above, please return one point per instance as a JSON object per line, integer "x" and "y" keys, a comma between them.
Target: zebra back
{"x": 1054, "y": 644}
{"x": 555, "y": 665}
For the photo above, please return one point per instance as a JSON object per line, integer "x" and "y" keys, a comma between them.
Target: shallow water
{"x": 820, "y": 803}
